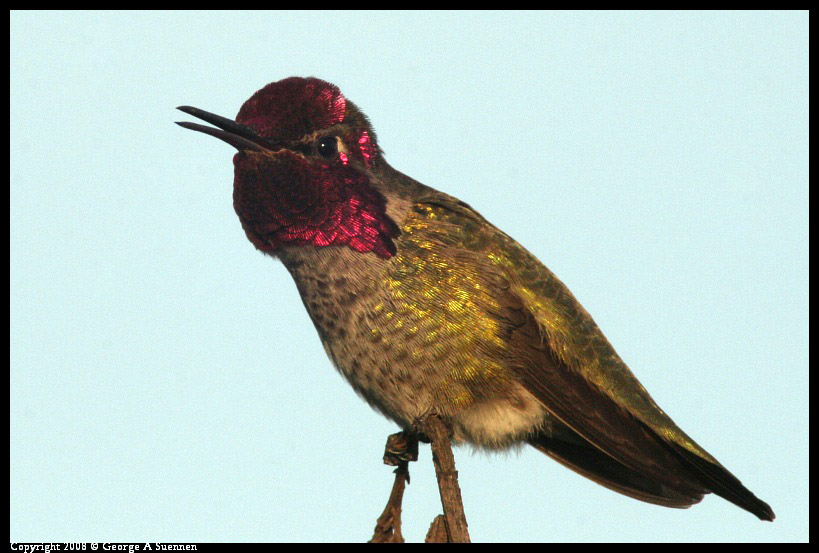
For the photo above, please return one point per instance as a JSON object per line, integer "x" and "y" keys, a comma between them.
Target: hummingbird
{"x": 424, "y": 306}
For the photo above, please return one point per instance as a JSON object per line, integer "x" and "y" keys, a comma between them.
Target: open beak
{"x": 237, "y": 135}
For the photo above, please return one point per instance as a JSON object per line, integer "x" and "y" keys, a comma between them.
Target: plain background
{"x": 166, "y": 383}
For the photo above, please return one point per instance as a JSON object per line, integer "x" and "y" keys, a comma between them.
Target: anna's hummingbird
{"x": 425, "y": 306}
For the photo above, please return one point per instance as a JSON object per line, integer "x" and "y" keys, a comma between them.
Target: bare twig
{"x": 437, "y": 531}
{"x": 436, "y": 430}
{"x": 388, "y": 526}
{"x": 401, "y": 448}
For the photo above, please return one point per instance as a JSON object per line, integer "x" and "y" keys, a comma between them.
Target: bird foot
{"x": 401, "y": 448}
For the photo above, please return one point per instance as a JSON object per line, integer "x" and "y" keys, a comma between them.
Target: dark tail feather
{"x": 723, "y": 483}
{"x": 573, "y": 451}
{"x": 585, "y": 459}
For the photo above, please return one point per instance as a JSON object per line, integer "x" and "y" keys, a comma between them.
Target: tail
{"x": 718, "y": 480}
{"x": 700, "y": 477}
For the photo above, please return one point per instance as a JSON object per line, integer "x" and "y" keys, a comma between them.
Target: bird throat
{"x": 282, "y": 200}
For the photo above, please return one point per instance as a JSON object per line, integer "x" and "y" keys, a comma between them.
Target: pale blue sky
{"x": 166, "y": 383}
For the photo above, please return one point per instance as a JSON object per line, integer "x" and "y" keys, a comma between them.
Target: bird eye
{"x": 327, "y": 146}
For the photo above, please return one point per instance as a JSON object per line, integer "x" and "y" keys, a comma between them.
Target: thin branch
{"x": 401, "y": 449}
{"x": 437, "y": 531}
{"x": 388, "y": 526}
{"x": 436, "y": 430}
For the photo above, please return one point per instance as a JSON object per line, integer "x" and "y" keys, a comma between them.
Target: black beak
{"x": 237, "y": 135}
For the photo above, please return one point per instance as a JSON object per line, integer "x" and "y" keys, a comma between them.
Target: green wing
{"x": 614, "y": 432}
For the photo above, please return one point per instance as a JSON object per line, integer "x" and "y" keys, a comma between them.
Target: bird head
{"x": 304, "y": 168}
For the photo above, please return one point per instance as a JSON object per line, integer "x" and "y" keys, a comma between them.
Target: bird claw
{"x": 401, "y": 448}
